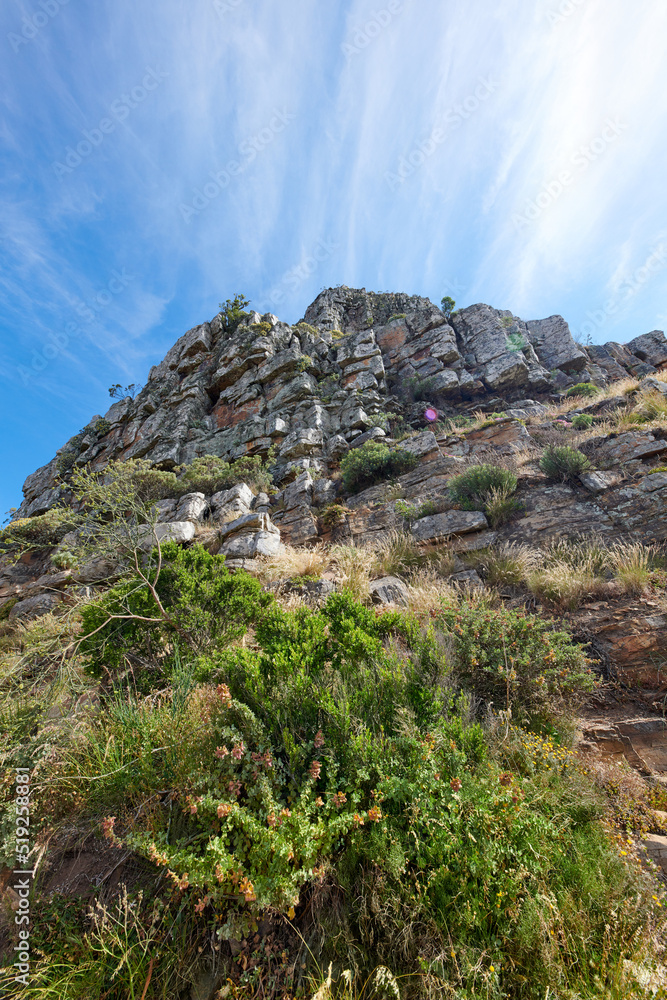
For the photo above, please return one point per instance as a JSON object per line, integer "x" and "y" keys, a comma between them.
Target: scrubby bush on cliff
{"x": 210, "y": 474}
{"x": 192, "y": 601}
{"x": 487, "y": 488}
{"x": 582, "y": 421}
{"x": 583, "y": 389}
{"x": 34, "y": 532}
{"x": 331, "y": 774}
{"x": 562, "y": 463}
{"x": 373, "y": 462}
{"x": 233, "y": 312}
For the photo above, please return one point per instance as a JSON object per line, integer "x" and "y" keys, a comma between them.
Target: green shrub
{"x": 34, "y": 532}
{"x": 562, "y": 463}
{"x": 583, "y": 389}
{"x": 582, "y": 421}
{"x": 447, "y": 305}
{"x": 516, "y": 660}
{"x": 334, "y": 514}
{"x": 64, "y": 559}
{"x": 373, "y": 462}
{"x": 102, "y": 427}
{"x": 304, "y": 327}
{"x": 209, "y": 474}
{"x": 421, "y": 389}
{"x": 233, "y": 312}
{"x": 201, "y": 604}
{"x": 335, "y": 772}
{"x": 478, "y": 485}
{"x": 411, "y": 512}
{"x": 500, "y": 506}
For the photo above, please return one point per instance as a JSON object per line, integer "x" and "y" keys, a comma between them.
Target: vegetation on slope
{"x": 387, "y": 795}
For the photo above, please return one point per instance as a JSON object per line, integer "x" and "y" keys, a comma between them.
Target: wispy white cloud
{"x": 355, "y": 116}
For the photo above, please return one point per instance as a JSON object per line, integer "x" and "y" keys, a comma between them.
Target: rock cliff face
{"x": 312, "y": 389}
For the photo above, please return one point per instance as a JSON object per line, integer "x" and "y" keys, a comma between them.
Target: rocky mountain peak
{"x": 309, "y": 390}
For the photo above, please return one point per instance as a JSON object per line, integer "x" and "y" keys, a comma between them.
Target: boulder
{"x": 506, "y": 436}
{"x": 630, "y": 446}
{"x": 191, "y": 507}
{"x": 650, "y": 347}
{"x": 468, "y": 578}
{"x": 250, "y": 536}
{"x": 171, "y": 531}
{"x": 423, "y": 445}
{"x": 454, "y": 522}
{"x": 554, "y": 345}
{"x": 34, "y": 607}
{"x": 228, "y": 504}
{"x": 596, "y": 482}
{"x": 389, "y": 590}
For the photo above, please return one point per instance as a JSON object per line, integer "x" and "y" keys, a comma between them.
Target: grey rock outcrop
{"x": 389, "y": 590}
{"x": 312, "y": 390}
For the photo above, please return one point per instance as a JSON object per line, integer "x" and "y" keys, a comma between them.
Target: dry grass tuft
{"x": 632, "y": 564}
{"x": 291, "y": 562}
{"x": 353, "y": 565}
{"x": 397, "y": 554}
{"x": 427, "y": 592}
{"x": 508, "y": 565}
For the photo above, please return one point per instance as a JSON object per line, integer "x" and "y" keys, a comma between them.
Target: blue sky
{"x": 158, "y": 157}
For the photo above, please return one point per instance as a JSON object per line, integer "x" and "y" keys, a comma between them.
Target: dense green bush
{"x": 373, "y": 462}
{"x": 562, "y": 463}
{"x": 336, "y": 744}
{"x": 210, "y": 474}
{"x": 516, "y": 660}
{"x": 200, "y": 604}
{"x": 583, "y": 389}
{"x": 42, "y": 530}
{"x": 582, "y": 421}
{"x": 233, "y": 312}
{"x": 487, "y": 488}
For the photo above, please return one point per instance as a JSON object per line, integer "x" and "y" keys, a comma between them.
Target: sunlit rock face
{"x": 309, "y": 390}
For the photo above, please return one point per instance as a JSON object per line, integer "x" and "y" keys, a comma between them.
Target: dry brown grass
{"x": 427, "y": 591}
{"x": 397, "y": 554}
{"x": 632, "y": 564}
{"x": 353, "y": 566}
{"x": 291, "y": 562}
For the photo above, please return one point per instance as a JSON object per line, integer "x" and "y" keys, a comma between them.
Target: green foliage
{"x": 119, "y": 391}
{"x": 334, "y": 514}
{"x": 335, "y": 770}
{"x": 421, "y": 389}
{"x": 304, "y": 327}
{"x": 209, "y": 474}
{"x": 233, "y": 312}
{"x": 338, "y": 334}
{"x": 64, "y": 559}
{"x": 516, "y": 661}
{"x": 582, "y": 421}
{"x": 447, "y": 305}
{"x": 6, "y": 607}
{"x": 35, "y": 532}
{"x": 396, "y": 316}
{"x": 583, "y": 389}
{"x": 562, "y": 463}
{"x": 411, "y": 512}
{"x": 102, "y": 427}
{"x": 500, "y": 505}
{"x": 516, "y": 342}
{"x": 196, "y": 601}
{"x": 305, "y": 362}
{"x": 485, "y": 487}
{"x": 371, "y": 463}
{"x": 382, "y": 420}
